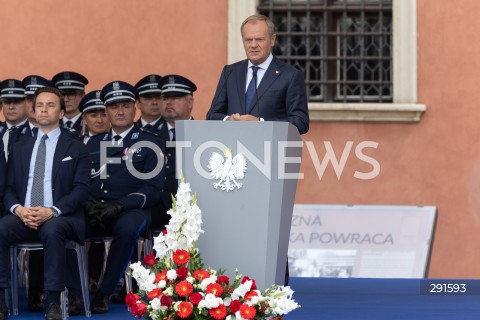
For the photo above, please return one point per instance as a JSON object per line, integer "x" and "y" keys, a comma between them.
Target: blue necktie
{"x": 251, "y": 88}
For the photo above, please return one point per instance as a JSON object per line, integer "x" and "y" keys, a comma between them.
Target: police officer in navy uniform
{"x": 177, "y": 100}
{"x": 3, "y": 175}
{"x": 14, "y": 111}
{"x": 149, "y": 102}
{"x": 31, "y": 84}
{"x": 126, "y": 182}
{"x": 94, "y": 117}
{"x": 72, "y": 85}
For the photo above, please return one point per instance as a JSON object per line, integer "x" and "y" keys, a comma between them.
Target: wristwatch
{"x": 55, "y": 212}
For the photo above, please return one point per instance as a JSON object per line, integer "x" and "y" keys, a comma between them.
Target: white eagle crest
{"x": 228, "y": 170}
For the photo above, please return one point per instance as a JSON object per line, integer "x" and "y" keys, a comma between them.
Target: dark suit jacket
{"x": 281, "y": 95}
{"x": 70, "y": 178}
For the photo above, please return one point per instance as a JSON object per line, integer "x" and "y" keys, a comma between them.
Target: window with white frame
{"x": 343, "y": 47}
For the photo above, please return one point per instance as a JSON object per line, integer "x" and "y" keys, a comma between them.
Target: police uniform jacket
{"x": 171, "y": 183}
{"x": 155, "y": 127}
{"x": 119, "y": 183}
{"x": 3, "y": 174}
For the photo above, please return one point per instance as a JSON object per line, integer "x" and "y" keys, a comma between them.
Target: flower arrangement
{"x": 176, "y": 285}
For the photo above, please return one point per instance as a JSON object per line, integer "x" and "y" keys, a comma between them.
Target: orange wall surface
{"x": 116, "y": 40}
{"x": 433, "y": 162}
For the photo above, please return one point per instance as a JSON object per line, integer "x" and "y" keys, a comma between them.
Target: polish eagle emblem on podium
{"x": 227, "y": 170}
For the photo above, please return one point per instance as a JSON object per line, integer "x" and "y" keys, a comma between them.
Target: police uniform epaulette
{"x": 68, "y": 129}
{"x": 98, "y": 134}
{"x": 150, "y": 132}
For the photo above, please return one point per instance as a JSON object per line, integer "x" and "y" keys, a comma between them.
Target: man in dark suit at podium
{"x": 260, "y": 87}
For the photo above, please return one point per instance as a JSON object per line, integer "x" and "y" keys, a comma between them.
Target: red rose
{"x": 195, "y": 298}
{"x": 138, "y": 309}
{"x": 247, "y": 312}
{"x": 214, "y": 288}
{"x": 155, "y": 293}
{"x": 131, "y": 299}
{"x": 254, "y": 285}
{"x": 218, "y": 313}
{"x": 183, "y": 288}
{"x": 223, "y": 279}
{"x": 150, "y": 260}
{"x": 164, "y": 232}
{"x": 182, "y": 273}
{"x": 166, "y": 301}
{"x": 181, "y": 257}
{"x": 184, "y": 309}
{"x": 235, "y": 306}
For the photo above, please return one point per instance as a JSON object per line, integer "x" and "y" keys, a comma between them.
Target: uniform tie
{"x": 39, "y": 174}
{"x": 173, "y": 134}
{"x": 251, "y": 88}
{"x": 68, "y": 124}
{"x": 8, "y": 139}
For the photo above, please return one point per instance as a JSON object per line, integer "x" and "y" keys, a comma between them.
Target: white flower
{"x": 210, "y": 301}
{"x": 242, "y": 289}
{"x": 280, "y": 301}
{"x": 168, "y": 291}
{"x": 155, "y": 304}
{"x": 227, "y": 301}
{"x": 171, "y": 274}
{"x": 162, "y": 284}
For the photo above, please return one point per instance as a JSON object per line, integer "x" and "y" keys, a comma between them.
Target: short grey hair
{"x": 260, "y": 17}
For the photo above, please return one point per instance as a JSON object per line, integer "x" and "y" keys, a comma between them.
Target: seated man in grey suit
{"x": 260, "y": 87}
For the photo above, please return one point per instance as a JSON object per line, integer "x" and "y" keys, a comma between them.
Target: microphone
{"x": 228, "y": 72}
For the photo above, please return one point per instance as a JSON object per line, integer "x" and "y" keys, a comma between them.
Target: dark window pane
{"x": 342, "y": 46}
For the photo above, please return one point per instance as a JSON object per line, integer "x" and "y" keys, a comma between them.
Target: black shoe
{"x": 75, "y": 305}
{"x": 100, "y": 303}
{"x": 53, "y": 312}
{"x": 35, "y": 299}
{"x": 92, "y": 285}
{"x": 119, "y": 298}
{"x": 3, "y": 311}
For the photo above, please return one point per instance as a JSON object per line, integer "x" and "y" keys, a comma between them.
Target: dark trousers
{"x": 125, "y": 229}
{"x": 53, "y": 234}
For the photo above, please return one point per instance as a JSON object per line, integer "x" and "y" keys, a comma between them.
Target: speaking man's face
{"x": 257, "y": 42}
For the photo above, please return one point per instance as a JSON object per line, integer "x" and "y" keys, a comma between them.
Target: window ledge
{"x": 375, "y": 112}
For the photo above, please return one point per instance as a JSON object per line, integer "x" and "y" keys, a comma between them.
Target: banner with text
{"x": 361, "y": 241}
